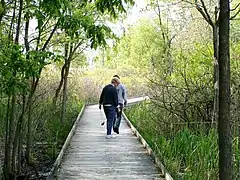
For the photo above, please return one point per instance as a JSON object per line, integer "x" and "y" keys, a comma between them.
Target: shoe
{"x": 109, "y": 136}
{"x": 116, "y": 130}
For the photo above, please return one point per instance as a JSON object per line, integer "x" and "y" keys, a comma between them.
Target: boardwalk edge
{"x": 66, "y": 143}
{"x": 167, "y": 176}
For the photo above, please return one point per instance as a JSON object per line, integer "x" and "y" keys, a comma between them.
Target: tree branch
{"x": 203, "y": 11}
{"x": 19, "y": 22}
{"x": 206, "y": 12}
{"x": 235, "y": 15}
{"x": 76, "y": 55}
{"x": 77, "y": 46}
{"x": 235, "y": 7}
{"x": 51, "y": 35}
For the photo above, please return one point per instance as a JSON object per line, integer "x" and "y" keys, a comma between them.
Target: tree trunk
{"x": 16, "y": 147}
{"x": 224, "y": 129}
{"x": 238, "y": 163}
{"x": 19, "y": 21}
{"x": 3, "y": 4}
{"x": 15, "y": 140}
{"x": 60, "y": 85}
{"x": 29, "y": 122}
{"x": 7, "y": 151}
{"x": 10, "y": 113}
{"x": 64, "y": 99}
{"x": 20, "y": 136}
{"x": 10, "y": 34}
{"x": 29, "y": 134}
{"x": 65, "y": 81}
{"x": 11, "y": 132}
{"x": 215, "y": 74}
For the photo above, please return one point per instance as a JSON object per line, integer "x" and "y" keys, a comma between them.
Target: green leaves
{"x": 12, "y": 69}
{"x": 140, "y": 46}
{"x": 97, "y": 35}
{"x": 113, "y": 7}
{"x": 77, "y": 23}
{"x": 55, "y": 8}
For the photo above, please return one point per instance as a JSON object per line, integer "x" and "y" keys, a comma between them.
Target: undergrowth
{"x": 187, "y": 154}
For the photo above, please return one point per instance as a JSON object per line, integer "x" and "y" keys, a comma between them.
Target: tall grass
{"x": 49, "y": 133}
{"x": 186, "y": 153}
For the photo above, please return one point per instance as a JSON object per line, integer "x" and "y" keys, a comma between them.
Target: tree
{"x": 224, "y": 124}
{"x": 22, "y": 62}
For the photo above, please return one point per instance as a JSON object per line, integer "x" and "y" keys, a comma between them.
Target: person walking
{"x": 109, "y": 101}
{"x": 122, "y": 101}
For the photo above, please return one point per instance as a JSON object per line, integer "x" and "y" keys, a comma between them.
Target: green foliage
{"x": 139, "y": 48}
{"x": 12, "y": 69}
{"x": 53, "y": 131}
{"x": 186, "y": 154}
{"x": 112, "y": 7}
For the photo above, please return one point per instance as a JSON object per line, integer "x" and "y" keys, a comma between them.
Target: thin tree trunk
{"x": 20, "y": 147}
{"x": 15, "y": 140}
{"x": 29, "y": 106}
{"x": 29, "y": 126}
{"x": 20, "y": 137}
{"x": 7, "y": 151}
{"x": 11, "y": 132}
{"x": 224, "y": 128}
{"x": 238, "y": 163}
{"x": 10, "y": 35}
{"x": 19, "y": 21}
{"x": 10, "y": 114}
{"x": 65, "y": 79}
{"x": 60, "y": 85}
{"x": 216, "y": 74}
{"x": 25, "y": 107}
{"x": 64, "y": 100}
{"x": 29, "y": 134}
{"x": 3, "y": 4}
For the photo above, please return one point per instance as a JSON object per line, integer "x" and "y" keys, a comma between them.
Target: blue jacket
{"x": 122, "y": 93}
{"x": 109, "y": 96}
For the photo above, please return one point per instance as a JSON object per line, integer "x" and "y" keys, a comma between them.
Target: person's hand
{"x": 100, "y": 106}
{"x": 125, "y": 103}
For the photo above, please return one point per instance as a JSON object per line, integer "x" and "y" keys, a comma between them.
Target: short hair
{"x": 116, "y": 76}
{"x": 115, "y": 79}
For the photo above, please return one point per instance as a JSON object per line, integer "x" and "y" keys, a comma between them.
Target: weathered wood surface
{"x": 92, "y": 156}
{"x": 134, "y": 101}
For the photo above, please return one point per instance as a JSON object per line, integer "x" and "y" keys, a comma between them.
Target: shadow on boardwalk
{"x": 92, "y": 156}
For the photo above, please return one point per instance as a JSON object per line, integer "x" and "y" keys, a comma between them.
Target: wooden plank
{"x": 148, "y": 148}
{"x": 134, "y": 101}
{"x": 91, "y": 156}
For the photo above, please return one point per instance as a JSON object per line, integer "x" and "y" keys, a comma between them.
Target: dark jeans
{"x": 110, "y": 113}
{"x": 117, "y": 121}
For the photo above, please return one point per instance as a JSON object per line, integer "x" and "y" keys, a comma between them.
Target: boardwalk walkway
{"x": 92, "y": 156}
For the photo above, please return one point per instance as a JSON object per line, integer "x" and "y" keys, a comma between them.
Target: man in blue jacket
{"x": 122, "y": 101}
{"x": 109, "y": 100}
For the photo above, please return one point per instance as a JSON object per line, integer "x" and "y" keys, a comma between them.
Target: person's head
{"x": 115, "y": 81}
{"x": 116, "y": 76}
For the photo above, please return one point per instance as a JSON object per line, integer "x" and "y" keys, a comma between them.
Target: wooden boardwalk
{"x": 91, "y": 156}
